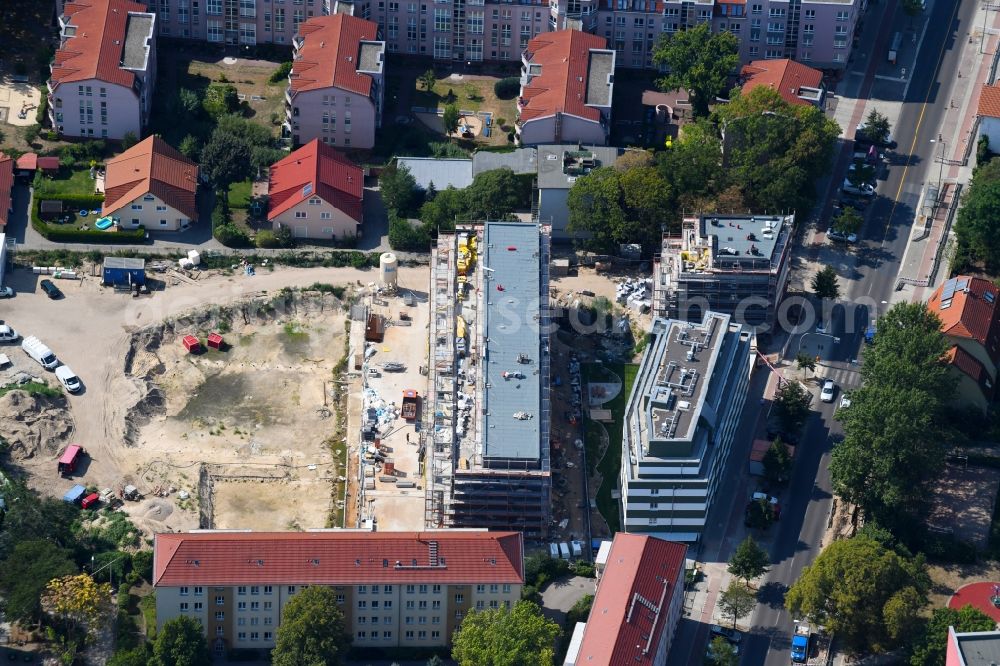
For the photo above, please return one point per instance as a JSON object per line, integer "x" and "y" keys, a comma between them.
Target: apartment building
{"x": 680, "y": 422}
{"x": 396, "y": 589}
{"x": 317, "y": 193}
{"x": 490, "y": 462}
{"x": 972, "y": 648}
{"x": 970, "y": 320}
{"x": 336, "y": 85}
{"x": 567, "y": 83}
{"x": 639, "y": 601}
{"x": 104, "y": 71}
{"x": 734, "y": 264}
{"x": 151, "y": 185}
{"x": 796, "y": 83}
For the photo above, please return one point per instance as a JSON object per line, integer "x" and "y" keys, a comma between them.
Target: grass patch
{"x": 67, "y": 181}
{"x": 147, "y": 606}
{"x": 33, "y": 388}
{"x": 240, "y": 194}
{"x": 611, "y": 464}
{"x": 293, "y": 331}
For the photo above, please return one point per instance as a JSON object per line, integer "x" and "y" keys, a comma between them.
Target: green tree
{"x": 693, "y": 166}
{"x": 280, "y": 75}
{"x": 931, "y": 644}
{"x": 759, "y": 514}
{"x": 142, "y": 564}
{"x": 188, "y": 103}
{"x": 134, "y": 657}
{"x": 777, "y": 464}
{"x": 399, "y": 189}
{"x": 521, "y": 636}
{"x": 190, "y": 147}
{"x": 698, "y": 62}
{"x": 805, "y": 362}
{"x": 311, "y": 630}
{"x": 25, "y": 575}
{"x": 722, "y": 653}
{"x": 824, "y": 283}
{"x": 495, "y": 195}
{"x": 226, "y": 160}
{"x": 848, "y": 222}
{"x": 616, "y": 207}
{"x": 876, "y": 126}
{"x": 435, "y": 661}
{"x": 406, "y": 237}
{"x": 977, "y": 227}
{"x": 737, "y": 600}
{"x": 749, "y": 561}
{"x": 862, "y": 591}
{"x": 181, "y": 642}
{"x": 220, "y": 100}
{"x": 441, "y": 212}
{"x": 450, "y": 119}
{"x": 791, "y": 405}
{"x": 428, "y": 80}
{"x": 129, "y": 140}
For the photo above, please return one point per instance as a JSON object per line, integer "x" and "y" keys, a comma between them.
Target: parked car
{"x": 861, "y": 137}
{"x": 731, "y": 635}
{"x": 6, "y": 292}
{"x": 841, "y": 237}
{"x": 829, "y": 388}
{"x": 8, "y": 334}
{"x": 68, "y": 379}
{"x": 50, "y": 289}
{"x": 845, "y": 401}
{"x": 864, "y": 189}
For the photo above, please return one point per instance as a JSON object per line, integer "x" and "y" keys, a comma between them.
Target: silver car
{"x": 829, "y": 388}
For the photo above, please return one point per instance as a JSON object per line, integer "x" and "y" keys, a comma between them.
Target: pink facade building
{"x": 817, "y": 32}
{"x": 104, "y": 71}
{"x": 336, "y": 86}
{"x": 977, "y": 648}
{"x": 567, "y": 81}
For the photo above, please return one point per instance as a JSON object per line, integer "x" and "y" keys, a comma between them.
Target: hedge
{"x": 69, "y": 234}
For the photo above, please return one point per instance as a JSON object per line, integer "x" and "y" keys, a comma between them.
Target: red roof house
{"x": 988, "y": 115}
{"x": 317, "y": 193}
{"x": 6, "y": 184}
{"x": 797, "y": 83}
{"x": 639, "y": 601}
{"x": 153, "y": 185}
{"x": 568, "y": 89}
{"x": 970, "y": 319}
{"x": 27, "y": 162}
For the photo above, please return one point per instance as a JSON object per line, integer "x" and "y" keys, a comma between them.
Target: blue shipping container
{"x": 74, "y": 494}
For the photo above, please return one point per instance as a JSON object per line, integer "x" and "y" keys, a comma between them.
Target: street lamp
{"x": 941, "y": 169}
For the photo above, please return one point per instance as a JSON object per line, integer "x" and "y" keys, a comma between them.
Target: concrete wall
{"x": 312, "y": 108}
{"x": 151, "y": 216}
{"x": 339, "y": 224}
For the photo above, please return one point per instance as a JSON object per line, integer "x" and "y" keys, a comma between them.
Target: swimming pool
{"x": 104, "y": 223}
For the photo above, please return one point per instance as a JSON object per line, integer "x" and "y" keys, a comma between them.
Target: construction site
{"x": 488, "y": 409}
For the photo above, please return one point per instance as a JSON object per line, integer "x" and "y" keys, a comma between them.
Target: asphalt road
{"x": 883, "y": 242}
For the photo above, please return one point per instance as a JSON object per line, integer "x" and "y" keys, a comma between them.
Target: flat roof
{"x": 556, "y": 163}
{"x": 599, "y": 86}
{"x": 443, "y": 172}
{"x": 370, "y": 56}
{"x": 131, "y": 263}
{"x": 745, "y": 237}
{"x": 979, "y": 648}
{"x": 137, "y": 33}
{"x": 521, "y": 160}
{"x": 512, "y": 343}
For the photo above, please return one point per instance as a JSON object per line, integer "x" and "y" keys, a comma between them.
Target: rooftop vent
{"x": 683, "y": 405}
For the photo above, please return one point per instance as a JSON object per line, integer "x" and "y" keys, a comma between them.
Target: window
{"x": 442, "y": 20}
{"x": 459, "y": 598}
{"x": 199, "y": 591}
{"x": 316, "y": 201}
{"x": 422, "y": 605}
{"x": 423, "y": 589}
{"x": 135, "y": 221}
{"x": 219, "y": 600}
{"x": 255, "y": 589}
{"x": 362, "y": 634}
{"x": 254, "y": 605}
{"x": 268, "y": 635}
{"x": 241, "y": 621}
{"x": 241, "y": 636}
{"x": 494, "y": 588}
{"x": 756, "y": 9}
{"x": 374, "y": 619}
{"x": 388, "y": 602}
{"x": 506, "y": 588}
{"x": 436, "y": 619}
{"x": 267, "y": 605}
{"x": 652, "y": 521}
{"x": 213, "y": 7}
{"x": 214, "y": 30}
{"x": 267, "y": 621}
{"x": 374, "y": 603}
{"x": 388, "y": 618}
{"x": 436, "y": 589}
{"x": 409, "y": 634}
{"x": 435, "y": 634}
{"x": 184, "y": 590}
{"x": 810, "y": 13}
{"x": 268, "y": 590}
{"x": 387, "y": 589}
{"x": 361, "y": 602}
{"x": 291, "y": 589}
{"x": 421, "y": 634}
{"x": 197, "y": 605}
{"x": 220, "y": 631}
{"x": 248, "y": 8}
{"x": 241, "y": 605}
{"x": 480, "y": 589}
{"x": 480, "y": 604}
{"x": 409, "y": 604}
{"x": 220, "y": 616}
{"x": 843, "y": 15}
{"x": 254, "y": 621}
{"x": 363, "y": 620}
{"x": 241, "y": 590}
{"x": 436, "y": 604}
{"x": 248, "y": 33}
{"x": 386, "y": 635}
{"x": 254, "y": 636}
{"x": 184, "y": 607}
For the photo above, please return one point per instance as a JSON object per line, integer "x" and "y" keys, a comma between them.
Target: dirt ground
{"x": 170, "y": 413}
{"x": 946, "y": 579}
{"x": 963, "y": 502}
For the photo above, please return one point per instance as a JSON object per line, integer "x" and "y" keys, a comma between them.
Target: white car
{"x": 865, "y": 189}
{"x": 6, "y": 292}
{"x": 845, "y": 401}
{"x": 8, "y": 334}
{"x": 835, "y": 235}
{"x": 829, "y": 388}
{"x": 68, "y": 379}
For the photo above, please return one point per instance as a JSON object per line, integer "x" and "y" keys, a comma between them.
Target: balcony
{"x": 48, "y": 84}
{"x": 297, "y": 42}
{"x": 288, "y": 96}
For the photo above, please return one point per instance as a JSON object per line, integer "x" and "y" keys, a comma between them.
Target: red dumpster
{"x": 215, "y": 341}
{"x": 191, "y": 344}
{"x": 90, "y": 500}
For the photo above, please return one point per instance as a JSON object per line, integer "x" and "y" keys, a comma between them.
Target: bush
{"x": 280, "y": 74}
{"x": 231, "y": 236}
{"x": 284, "y": 237}
{"x": 406, "y": 237}
{"x": 42, "y": 113}
{"x": 507, "y": 88}
{"x": 129, "y": 140}
{"x": 585, "y": 569}
{"x": 266, "y": 239}
{"x": 31, "y": 133}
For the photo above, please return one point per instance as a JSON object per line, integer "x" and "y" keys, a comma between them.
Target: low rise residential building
{"x": 489, "y": 442}
{"x": 972, "y": 648}
{"x": 567, "y": 81}
{"x": 558, "y": 168}
{"x": 336, "y": 86}
{"x": 639, "y": 601}
{"x": 151, "y": 185}
{"x": 317, "y": 193}
{"x": 970, "y": 320}
{"x": 396, "y": 589}
{"x": 104, "y": 71}
{"x": 735, "y": 264}
{"x": 988, "y": 115}
{"x": 680, "y": 422}
{"x": 796, "y": 83}
{"x": 6, "y": 186}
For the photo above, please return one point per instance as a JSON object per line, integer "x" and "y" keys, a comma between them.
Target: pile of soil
{"x": 34, "y": 424}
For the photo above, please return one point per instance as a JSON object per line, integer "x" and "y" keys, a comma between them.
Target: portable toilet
{"x": 564, "y": 550}
{"x": 577, "y": 548}
{"x": 554, "y": 551}
{"x": 74, "y": 494}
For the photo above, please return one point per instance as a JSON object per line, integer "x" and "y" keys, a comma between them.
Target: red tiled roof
{"x": 48, "y": 163}
{"x": 329, "y": 54}
{"x": 28, "y": 162}
{"x": 151, "y": 167}
{"x": 95, "y": 51}
{"x": 971, "y": 312}
{"x": 562, "y": 85}
{"x": 967, "y": 363}
{"x": 316, "y": 169}
{"x": 616, "y": 633}
{"x": 6, "y": 183}
{"x": 989, "y": 101}
{"x": 784, "y": 75}
{"x": 337, "y": 557}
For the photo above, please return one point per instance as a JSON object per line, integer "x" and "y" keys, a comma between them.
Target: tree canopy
{"x": 226, "y": 160}
{"x": 722, "y": 653}
{"x": 749, "y": 560}
{"x": 777, "y": 464}
{"x": 977, "y": 227}
{"x": 931, "y": 644}
{"x": 697, "y": 61}
{"x": 521, "y": 636}
{"x": 181, "y": 642}
{"x": 791, "y": 405}
{"x": 825, "y": 285}
{"x": 737, "y": 600}
{"x": 26, "y": 573}
{"x": 862, "y": 591}
{"x": 399, "y": 189}
{"x": 493, "y": 195}
{"x": 312, "y": 630}
{"x": 450, "y": 119}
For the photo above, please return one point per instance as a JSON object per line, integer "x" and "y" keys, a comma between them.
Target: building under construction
{"x": 737, "y": 265}
{"x": 488, "y": 374}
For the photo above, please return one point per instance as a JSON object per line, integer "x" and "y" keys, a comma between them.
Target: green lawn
{"x": 611, "y": 464}
{"x": 67, "y": 181}
{"x": 239, "y": 194}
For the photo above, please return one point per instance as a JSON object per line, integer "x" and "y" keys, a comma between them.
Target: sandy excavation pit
{"x": 252, "y": 416}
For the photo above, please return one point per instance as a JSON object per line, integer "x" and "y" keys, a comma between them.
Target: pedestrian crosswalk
{"x": 844, "y": 377}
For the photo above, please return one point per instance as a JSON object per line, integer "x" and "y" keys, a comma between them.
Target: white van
{"x": 34, "y": 348}
{"x": 68, "y": 379}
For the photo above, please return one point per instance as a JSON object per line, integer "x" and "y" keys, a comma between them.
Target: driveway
{"x": 560, "y": 595}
